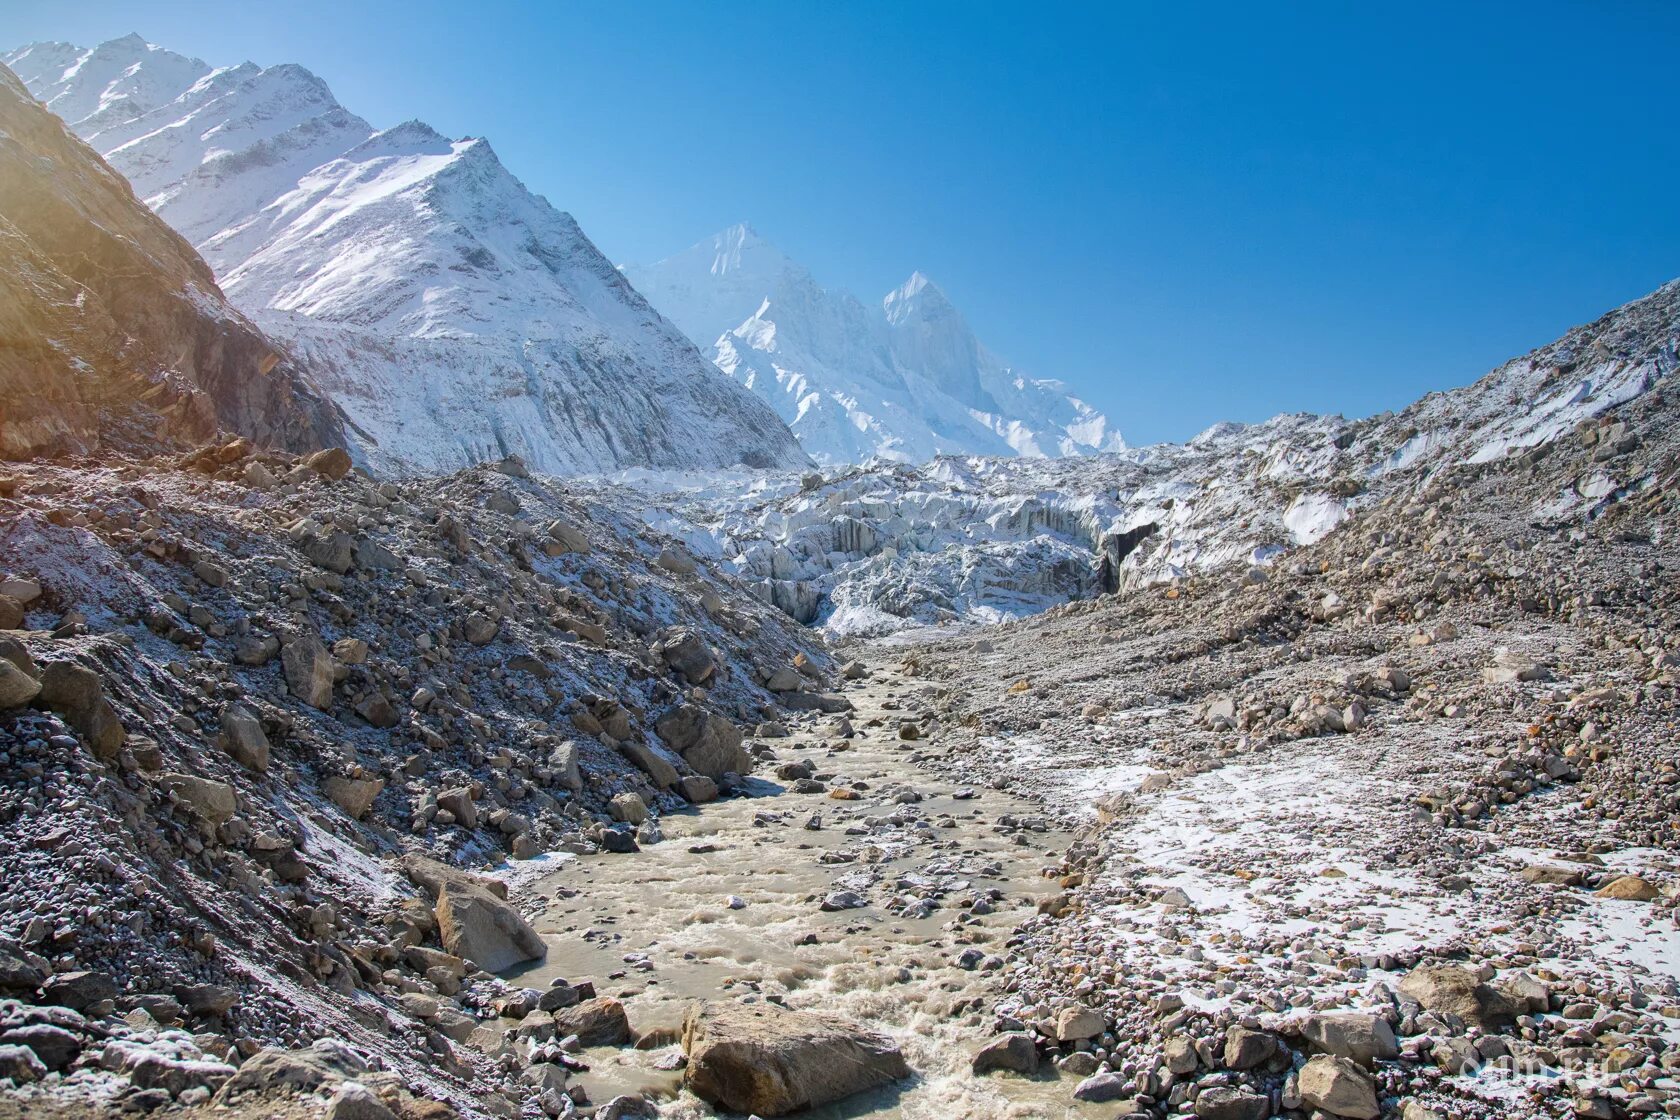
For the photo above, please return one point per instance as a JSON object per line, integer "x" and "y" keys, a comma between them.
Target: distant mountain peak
{"x": 905, "y": 379}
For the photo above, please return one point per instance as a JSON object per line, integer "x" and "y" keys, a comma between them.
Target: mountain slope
{"x": 904, "y": 381}
{"x": 453, "y": 315}
{"x": 112, "y": 330}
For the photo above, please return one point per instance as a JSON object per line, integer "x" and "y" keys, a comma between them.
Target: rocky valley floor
{"x": 477, "y": 796}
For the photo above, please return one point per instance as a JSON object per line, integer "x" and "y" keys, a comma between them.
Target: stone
{"x": 627, "y": 807}
{"x": 214, "y": 802}
{"x": 1339, "y": 1087}
{"x": 256, "y": 649}
{"x": 1449, "y": 989}
{"x": 78, "y": 990}
{"x": 1180, "y": 1056}
{"x": 1102, "y": 1087}
{"x": 710, "y": 744}
{"x": 600, "y": 1021}
{"x": 764, "y": 1059}
{"x": 25, "y": 591}
{"x": 1247, "y": 1049}
{"x": 77, "y": 693}
{"x": 1222, "y": 1102}
{"x": 19, "y": 1065}
{"x": 477, "y": 926}
{"x": 243, "y": 737}
{"x": 332, "y": 464}
{"x": 479, "y": 628}
{"x": 54, "y": 1045}
{"x": 1359, "y": 1037}
{"x": 355, "y": 1101}
{"x": 11, "y": 613}
{"x": 353, "y": 795}
{"x": 207, "y": 999}
{"x": 678, "y": 561}
{"x": 1015, "y": 1052}
{"x": 1076, "y": 1024}
{"x": 1629, "y": 888}
{"x": 17, "y": 687}
{"x": 784, "y": 680}
{"x": 651, "y": 762}
{"x": 459, "y": 803}
{"x": 697, "y": 788}
{"x": 687, "y": 653}
{"x": 565, "y": 537}
{"x": 310, "y": 670}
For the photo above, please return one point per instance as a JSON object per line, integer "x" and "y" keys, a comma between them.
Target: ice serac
{"x": 974, "y": 539}
{"x": 452, "y": 315}
{"x": 113, "y": 332}
{"x": 903, "y": 381}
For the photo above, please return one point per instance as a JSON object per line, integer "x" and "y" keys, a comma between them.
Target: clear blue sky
{"x": 1188, "y": 212}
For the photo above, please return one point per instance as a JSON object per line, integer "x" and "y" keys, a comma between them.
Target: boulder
{"x": 697, "y": 788}
{"x": 627, "y": 807}
{"x": 333, "y": 463}
{"x": 1222, "y": 1102}
{"x": 17, "y": 687}
{"x": 1357, "y": 1036}
{"x": 596, "y": 1022}
{"x": 651, "y": 762}
{"x": 459, "y": 802}
{"x": 354, "y": 795}
{"x": 489, "y": 931}
{"x": 19, "y": 1065}
{"x": 1629, "y": 888}
{"x": 213, "y": 801}
{"x": 687, "y": 653}
{"x": 243, "y": 737}
{"x": 1076, "y": 1024}
{"x": 1339, "y": 1087}
{"x": 1247, "y": 1049}
{"x": 310, "y": 670}
{"x": 480, "y": 629}
{"x": 764, "y": 1059}
{"x": 1449, "y": 989}
{"x": 1015, "y": 1052}
{"x": 1101, "y": 1087}
{"x": 565, "y": 537}
{"x": 78, "y": 695}
{"x": 710, "y": 744}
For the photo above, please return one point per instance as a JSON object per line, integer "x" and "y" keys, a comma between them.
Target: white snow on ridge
{"x": 450, "y": 313}
{"x": 901, "y": 382}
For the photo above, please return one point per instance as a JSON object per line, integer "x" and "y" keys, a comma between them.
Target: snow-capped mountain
{"x": 113, "y": 334}
{"x": 452, "y": 315}
{"x": 904, "y": 380}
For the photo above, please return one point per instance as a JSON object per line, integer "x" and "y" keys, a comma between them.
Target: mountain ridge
{"x": 452, "y": 314}
{"x": 902, "y": 380}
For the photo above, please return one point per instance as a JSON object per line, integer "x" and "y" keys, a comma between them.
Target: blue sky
{"x": 1187, "y": 212}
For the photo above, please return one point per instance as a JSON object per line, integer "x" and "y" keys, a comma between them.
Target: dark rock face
{"x": 113, "y": 332}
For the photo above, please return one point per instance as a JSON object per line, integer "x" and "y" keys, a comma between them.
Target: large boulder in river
{"x": 764, "y": 1059}
{"x": 490, "y": 932}
{"x": 710, "y": 744}
{"x": 474, "y": 918}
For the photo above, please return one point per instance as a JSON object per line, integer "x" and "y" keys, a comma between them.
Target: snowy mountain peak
{"x": 904, "y": 380}
{"x": 453, "y": 315}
